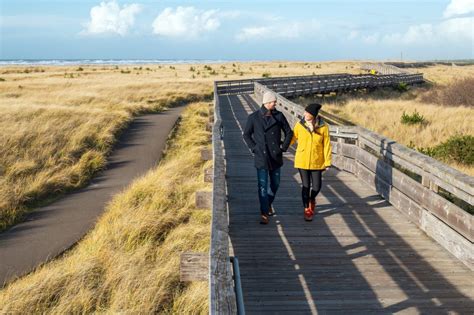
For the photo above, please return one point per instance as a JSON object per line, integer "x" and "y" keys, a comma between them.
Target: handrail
{"x": 221, "y": 288}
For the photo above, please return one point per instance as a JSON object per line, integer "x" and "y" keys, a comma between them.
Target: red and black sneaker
{"x": 308, "y": 214}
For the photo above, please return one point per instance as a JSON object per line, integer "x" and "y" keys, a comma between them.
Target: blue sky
{"x": 243, "y": 30}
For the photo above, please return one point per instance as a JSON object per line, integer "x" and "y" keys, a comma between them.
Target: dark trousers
{"x": 311, "y": 180}
{"x": 268, "y": 182}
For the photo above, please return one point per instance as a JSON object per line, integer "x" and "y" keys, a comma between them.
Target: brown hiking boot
{"x": 308, "y": 214}
{"x": 264, "y": 219}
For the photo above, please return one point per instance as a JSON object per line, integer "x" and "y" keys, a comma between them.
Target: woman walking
{"x": 313, "y": 155}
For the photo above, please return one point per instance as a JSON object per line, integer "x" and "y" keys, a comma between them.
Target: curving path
{"x": 50, "y": 230}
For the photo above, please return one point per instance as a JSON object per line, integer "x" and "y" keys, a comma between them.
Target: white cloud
{"x": 185, "y": 22}
{"x": 459, "y": 7}
{"x": 448, "y": 31}
{"x": 279, "y": 30}
{"x": 371, "y": 39}
{"x": 456, "y": 29}
{"x": 109, "y": 17}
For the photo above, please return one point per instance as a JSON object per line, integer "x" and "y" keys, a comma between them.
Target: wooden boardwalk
{"x": 360, "y": 255}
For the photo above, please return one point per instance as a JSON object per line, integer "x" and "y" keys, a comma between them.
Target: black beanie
{"x": 313, "y": 109}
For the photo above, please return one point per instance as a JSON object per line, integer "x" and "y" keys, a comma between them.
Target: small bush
{"x": 401, "y": 87}
{"x": 412, "y": 119}
{"x": 192, "y": 69}
{"x": 125, "y": 71}
{"x": 2, "y": 80}
{"x": 80, "y": 69}
{"x": 266, "y": 75}
{"x": 458, "y": 148}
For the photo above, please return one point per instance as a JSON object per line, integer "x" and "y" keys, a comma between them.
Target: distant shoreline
{"x": 67, "y": 62}
{"x": 113, "y": 62}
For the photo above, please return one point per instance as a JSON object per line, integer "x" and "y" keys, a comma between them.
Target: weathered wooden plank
{"x": 344, "y": 149}
{"x": 452, "y": 215}
{"x": 461, "y": 185}
{"x": 446, "y": 237}
{"x": 203, "y": 199}
{"x": 206, "y": 154}
{"x": 194, "y": 267}
{"x": 221, "y": 293}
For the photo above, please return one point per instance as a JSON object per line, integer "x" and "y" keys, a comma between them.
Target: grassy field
{"x": 129, "y": 262}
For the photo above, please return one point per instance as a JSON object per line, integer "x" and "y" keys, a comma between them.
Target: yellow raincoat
{"x": 314, "y": 148}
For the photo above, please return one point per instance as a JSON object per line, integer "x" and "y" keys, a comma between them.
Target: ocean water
{"x": 66, "y": 62}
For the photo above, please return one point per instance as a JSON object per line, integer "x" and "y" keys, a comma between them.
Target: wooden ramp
{"x": 360, "y": 255}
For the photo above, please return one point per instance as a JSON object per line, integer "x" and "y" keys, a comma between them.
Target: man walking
{"x": 264, "y": 138}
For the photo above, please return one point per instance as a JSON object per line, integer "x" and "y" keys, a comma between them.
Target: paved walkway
{"x": 50, "y": 230}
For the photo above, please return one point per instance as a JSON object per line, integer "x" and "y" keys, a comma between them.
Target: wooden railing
{"x": 302, "y": 85}
{"x": 221, "y": 285}
{"x": 383, "y": 68}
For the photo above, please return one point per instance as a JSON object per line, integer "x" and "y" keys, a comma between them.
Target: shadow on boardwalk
{"x": 360, "y": 255}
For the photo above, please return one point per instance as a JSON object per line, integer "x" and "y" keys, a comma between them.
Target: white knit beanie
{"x": 268, "y": 97}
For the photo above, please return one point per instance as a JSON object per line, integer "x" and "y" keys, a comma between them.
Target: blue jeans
{"x": 266, "y": 194}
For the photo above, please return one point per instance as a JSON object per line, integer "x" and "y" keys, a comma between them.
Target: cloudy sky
{"x": 242, "y": 30}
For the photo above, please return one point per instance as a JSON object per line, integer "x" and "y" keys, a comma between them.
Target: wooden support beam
{"x": 194, "y": 267}
{"x": 206, "y": 154}
{"x": 203, "y": 199}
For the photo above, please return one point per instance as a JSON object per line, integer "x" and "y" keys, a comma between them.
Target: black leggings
{"x": 310, "y": 178}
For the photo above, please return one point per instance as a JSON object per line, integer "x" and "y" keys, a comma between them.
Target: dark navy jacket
{"x": 263, "y": 136}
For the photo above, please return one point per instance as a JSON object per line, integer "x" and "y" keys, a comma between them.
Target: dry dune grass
{"x": 129, "y": 262}
{"x": 444, "y": 75}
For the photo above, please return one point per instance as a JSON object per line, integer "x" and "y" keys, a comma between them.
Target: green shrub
{"x": 2, "y": 80}
{"x": 80, "y": 69}
{"x": 412, "y": 119}
{"x": 401, "y": 87}
{"x": 266, "y": 75}
{"x": 458, "y": 148}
